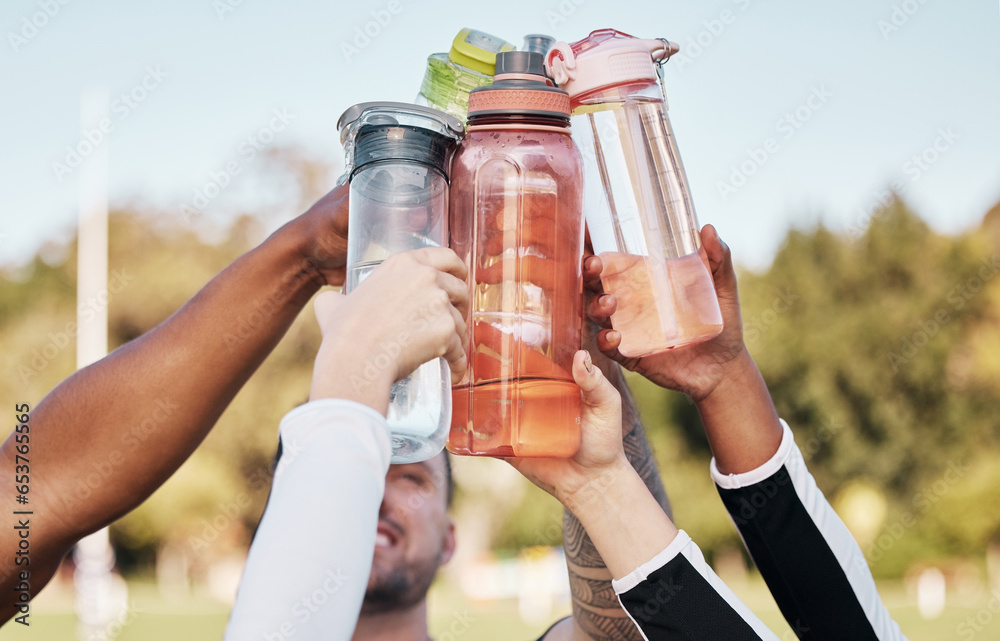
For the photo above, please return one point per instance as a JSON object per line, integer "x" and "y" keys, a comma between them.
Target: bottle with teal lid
{"x": 451, "y": 76}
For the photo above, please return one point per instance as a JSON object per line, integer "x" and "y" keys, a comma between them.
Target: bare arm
{"x": 597, "y": 614}
{"x": 109, "y": 435}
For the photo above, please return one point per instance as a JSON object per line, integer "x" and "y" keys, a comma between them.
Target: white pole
{"x": 99, "y": 598}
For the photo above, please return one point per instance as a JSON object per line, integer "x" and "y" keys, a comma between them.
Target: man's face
{"x": 415, "y": 536}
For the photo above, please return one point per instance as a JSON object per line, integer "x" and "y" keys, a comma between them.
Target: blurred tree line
{"x": 881, "y": 347}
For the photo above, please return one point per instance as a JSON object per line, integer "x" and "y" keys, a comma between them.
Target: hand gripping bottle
{"x": 516, "y": 220}
{"x": 398, "y": 157}
{"x": 639, "y": 213}
{"x": 451, "y": 76}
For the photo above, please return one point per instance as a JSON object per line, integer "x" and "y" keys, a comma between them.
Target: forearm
{"x": 813, "y": 567}
{"x": 740, "y": 420}
{"x": 108, "y": 436}
{"x": 314, "y": 535}
{"x": 661, "y": 578}
{"x": 624, "y": 523}
{"x": 595, "y": 607}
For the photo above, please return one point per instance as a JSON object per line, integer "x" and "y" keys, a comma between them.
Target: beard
{"x": 399, "y": 587}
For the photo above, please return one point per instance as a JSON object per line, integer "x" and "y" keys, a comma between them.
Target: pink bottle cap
{"x": 519, "y": 87}
{"x": 605, "y": 58}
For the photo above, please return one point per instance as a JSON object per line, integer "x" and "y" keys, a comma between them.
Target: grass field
{"x": 192, "y": 619}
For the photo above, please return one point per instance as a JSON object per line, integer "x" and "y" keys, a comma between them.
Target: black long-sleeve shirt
{"x": 811, "y": 564}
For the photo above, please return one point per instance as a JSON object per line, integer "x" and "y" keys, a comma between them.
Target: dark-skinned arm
{"x": 109, "y": 435}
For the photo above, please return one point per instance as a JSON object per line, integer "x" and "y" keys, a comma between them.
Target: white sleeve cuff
{"x": 768, "y": 469}
{"x": 641, "y": 573}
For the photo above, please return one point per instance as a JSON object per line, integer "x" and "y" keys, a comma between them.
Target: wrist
{"x": 588, "y": 491}
{"x": 623, "y": 520}
{"x": 740, "y": 420}
{"x": 302, "y": 254}
{"x": 737, "y": 373}
{"x": 361, "y": 374}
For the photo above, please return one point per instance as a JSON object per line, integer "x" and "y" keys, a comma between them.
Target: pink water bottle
{"x": 637, "y": 204}
{"x": 516, "y": 220}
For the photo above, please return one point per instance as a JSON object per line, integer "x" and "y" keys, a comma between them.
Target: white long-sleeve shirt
{"x": 308, "y": 567}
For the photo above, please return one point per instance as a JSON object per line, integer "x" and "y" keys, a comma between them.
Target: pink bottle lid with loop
{"x": 605, "y": 58}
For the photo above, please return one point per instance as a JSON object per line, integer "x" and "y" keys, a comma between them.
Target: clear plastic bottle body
{"x": 397, "y": 206}
{"x": 446, "y": 85}
{"x": 642, "y": 221}
{"x": 516, "y": 220}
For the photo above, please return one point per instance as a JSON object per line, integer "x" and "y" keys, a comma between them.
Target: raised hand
{"x": 410, "y": 310}
{"x": 695, "y": 370}
{"x": 601, "y": 454}
{"x": 324, "y": 228}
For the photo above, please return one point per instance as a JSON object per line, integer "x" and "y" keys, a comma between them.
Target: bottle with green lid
{"x": 451, "y": 76}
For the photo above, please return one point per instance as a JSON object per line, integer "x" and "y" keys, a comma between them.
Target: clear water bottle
{"x": 451, "y": 76}
{"x": 638, "y": 207}
{"x": 398, "y": 157}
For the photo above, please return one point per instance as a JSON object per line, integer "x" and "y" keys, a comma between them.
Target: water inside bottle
{"x": 662, "y": 304}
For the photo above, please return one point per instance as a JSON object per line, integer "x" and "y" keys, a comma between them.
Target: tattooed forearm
{"x": 602, "y": 626}
{"x": 595, "y": 605}
{"x": 596, "y": 592}
{"x": 578, "y": 547}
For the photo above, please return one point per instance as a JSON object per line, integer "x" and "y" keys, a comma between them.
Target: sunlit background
{"x": 848, "y": 152}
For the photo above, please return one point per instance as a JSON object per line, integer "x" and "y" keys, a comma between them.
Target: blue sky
{"x": 879, "y": 92}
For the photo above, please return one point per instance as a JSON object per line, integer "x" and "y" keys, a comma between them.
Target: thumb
{"x": 601, "y": 400}
{"x": 326, "y": 306}
{"x": 720, "y": 260}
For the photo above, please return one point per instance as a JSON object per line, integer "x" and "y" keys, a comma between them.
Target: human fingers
{"x": 592, "y": 268}
{"x": 601, "y": 402}
{"x": 456, "y": 357}
{"x": 441, "y": 258}
{"x": 457, "y": 290}
{"x": 600, "y": 308}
